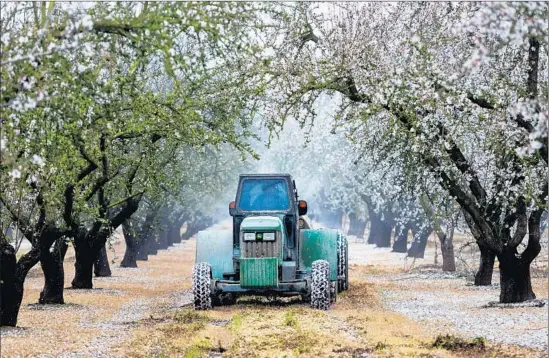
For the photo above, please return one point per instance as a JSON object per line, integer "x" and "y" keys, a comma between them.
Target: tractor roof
{"x": 265, "y": 175}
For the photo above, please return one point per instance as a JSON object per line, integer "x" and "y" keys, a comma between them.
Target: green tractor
{"x": 271, "y": 250}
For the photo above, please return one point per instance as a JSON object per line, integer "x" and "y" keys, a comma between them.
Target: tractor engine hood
{"x": 261, "y": 223}
{"x": 258, "y": 246}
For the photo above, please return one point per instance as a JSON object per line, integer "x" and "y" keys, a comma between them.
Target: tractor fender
{"x": 318, "y": 245}
{"x": 216, "y": 248}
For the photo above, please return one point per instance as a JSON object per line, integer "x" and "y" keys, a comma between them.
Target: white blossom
{"x": 36, "y": 159}
{"x": 15, "y": 173}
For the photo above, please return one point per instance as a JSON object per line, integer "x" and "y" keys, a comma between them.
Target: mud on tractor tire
{"x": 320, "y": 285}
{"x": 342, "y": 263}
{"x": 202, "y": 289}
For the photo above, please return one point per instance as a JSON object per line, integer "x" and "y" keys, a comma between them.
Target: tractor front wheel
{"x": 320, "y": 285}
{"x": 202, "y": 289}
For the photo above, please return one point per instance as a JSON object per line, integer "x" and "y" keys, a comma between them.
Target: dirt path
{"x": 145, "y": 312}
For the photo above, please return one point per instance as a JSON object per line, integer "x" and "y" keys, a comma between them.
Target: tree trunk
{"x": 515, "y": 281}
{"x": 83, "y": 266}
{"x": 177, "y": 234}
{"x": 380, "y": 229}
{"x": 375, "y": 228}
{"x": 174, "y": 235}
{"x": 486, "y": 268}
{"x": 12, "y": 279}
{"x": 152, "y": 244}
{"x": 188, "y": 231}
{"x": 384, "y": 238}
{"x": 142, "y": 253}
{"x": 148, "y": 244}
{"x": 169, "y": 235}
{"x": 330, "y": 219}
{"x": 132, "y": 246}
{"x": 89, "y": 243}
{"x": 145, "y": 239}
{"x": 333, "y": 218}
{"x": 162, "y": 243}
{"x": 543, "y": 221}
{"x": 11, "y": 289}
{"x": 101, "y": 266}
{"x": 353, "y": 224}
{"x": 361, "y": 228}
{"x": 401, "y": 238}
{"x": 54, "y": 273}
{"x": 419, "y": 243}
{"x": 483, "y": 277}
{"x": 447, "y": 249}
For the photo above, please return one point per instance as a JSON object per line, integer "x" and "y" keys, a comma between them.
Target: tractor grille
{"x": 250, "y": 249}
{"x": 259, "y": 272}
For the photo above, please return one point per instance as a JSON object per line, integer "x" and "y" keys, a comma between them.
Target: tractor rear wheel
{"x": 320, "y": 285}
{"x": 202, "y": 289}
{"x": 342, "y": 263}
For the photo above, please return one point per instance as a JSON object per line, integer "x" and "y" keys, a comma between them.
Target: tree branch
{"x": 103, "y": 202}
{"x": 69, "y": 196}
{"x": 99, "y": 184}
{"x": 130, "y": 207}
{"x": 462, "y": 164}
{"x": 67, "y": 211}
{"x": 40, "y": 201}
{"x": 522, "y": 224}
{"x": 110, "y": 27}
{"x": 454, "y": 152}
{"x": 426, "y": 206}
{"x": 27, "y": 261}
{"x": 119, "y": 202}
{"x": 467, "y": 202}
{"x": 533, "y": 63}
{"x": 479, "y": 101}
{"x": 22, "y": 223}
{"x": 534, "y": 247}
{"x": 79, "y": 143}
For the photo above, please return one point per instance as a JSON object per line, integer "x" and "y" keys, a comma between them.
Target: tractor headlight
{"x": 249, "y": 236}
{"x": 269, "y": 236}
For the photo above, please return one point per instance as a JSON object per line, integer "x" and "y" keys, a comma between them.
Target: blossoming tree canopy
{"x": 97, "y": 99}
{"x": 456, "y": 87}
